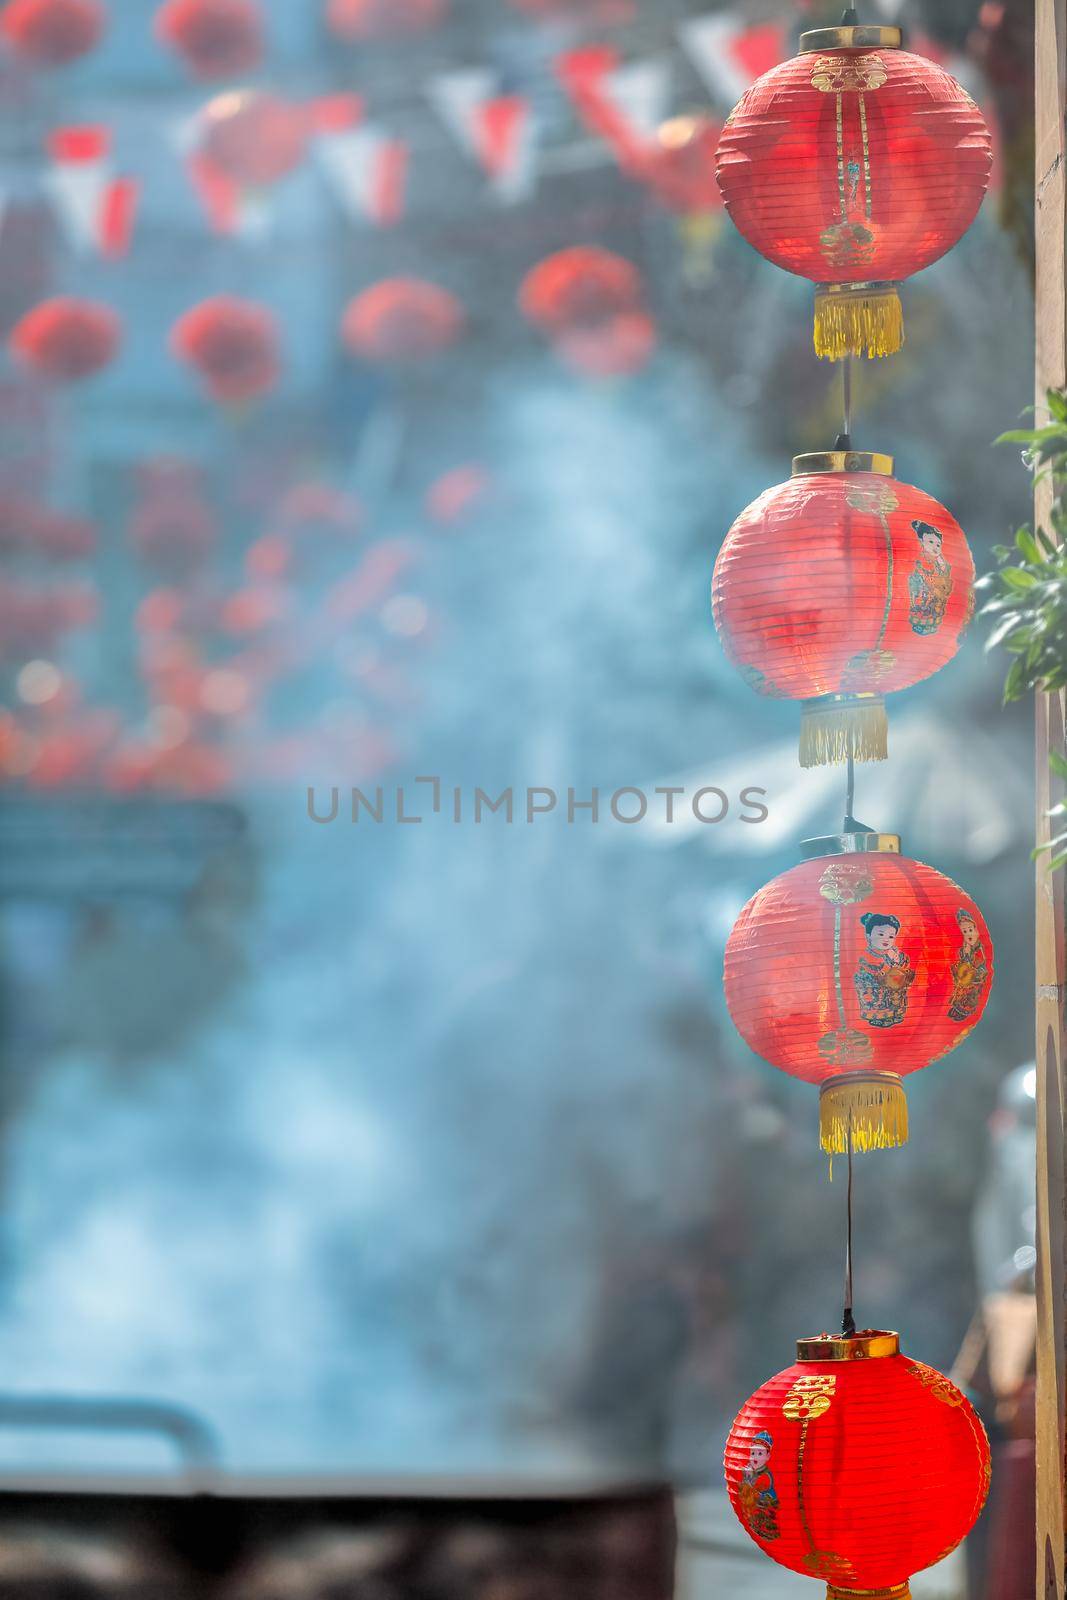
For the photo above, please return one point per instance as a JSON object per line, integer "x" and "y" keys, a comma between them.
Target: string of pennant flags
{"x": 366, "y": 165}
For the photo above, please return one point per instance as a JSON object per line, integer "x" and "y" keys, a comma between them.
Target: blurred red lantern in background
{"x": 310, "y": 508}
{"x": 51, "y": 33}
{"x": 456, "y": 494}
{"x": 857, "y": 1465}
{"x": 34, "y": 618}
{"x": 254, "y": 138}
{"x": 30, "y": 529}
{"x": 838, "y": 587}
{"x": 232, "y": 344}
{"x": 615, "y": 348}
{"x": 215, "y": 38}
{"x": 580, "y": 288}
{"x": 854, "y": 165}
{"x": 63, "y": 537}
{"x": 380, "y": 19}
{"x": 589, "y": 301}
{"x": 401, "y": 319}
{"x": 852, "y": 970}
{"x": 66, "y": 338}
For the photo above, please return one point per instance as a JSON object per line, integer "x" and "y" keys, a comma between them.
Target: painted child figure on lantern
{"x": 969, "y": 970}
{"x": 884, "y": 974}
{"x": 930, "y": 583}
{"x": 759, "y": 1498}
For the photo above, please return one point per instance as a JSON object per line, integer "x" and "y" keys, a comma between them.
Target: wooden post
{"x": 1051, "y": 959}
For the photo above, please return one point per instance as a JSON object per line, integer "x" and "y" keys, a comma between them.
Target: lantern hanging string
{"x": 846, "y": 385}
{"x": 848, "y": 1321}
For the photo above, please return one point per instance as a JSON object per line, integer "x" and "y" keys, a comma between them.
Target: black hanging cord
{"x": 844, "y": 439}
{"x": 848, "y": 1321}
{"x": 849, "y": 19}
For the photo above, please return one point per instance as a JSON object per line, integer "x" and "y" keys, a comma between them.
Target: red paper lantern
{"x": 857, "y": 1466}
{"x": 215, "y": 38}
{"x": 838, "y": 587}
{"x": 233, "y": 344}
{"x": 255, "y": 139}
{"x": 581, "y": 288}
{"x": 67, "y": 339}
{"x": 852, "y": 970}
{"x": 854, "y": 165}
{"x": 680, "y": 167}
{"x": 383, "y": 19}
{"x": 51, "y": 33}
{"x": 401, "y": 319}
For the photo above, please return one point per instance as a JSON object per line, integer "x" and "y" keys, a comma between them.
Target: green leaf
{"x": 1018, "y": 577}
{"x": 1027, "y": 544}
{"x": 1058, "y": 762}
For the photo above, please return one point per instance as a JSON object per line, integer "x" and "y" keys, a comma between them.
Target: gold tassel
{"x": 872, "y": 1104}
{"x": 839, "y": 725}
{"x": 851, "y": 321}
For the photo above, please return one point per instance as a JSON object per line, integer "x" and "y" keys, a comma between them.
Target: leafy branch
{"x": 1029, "y": 591}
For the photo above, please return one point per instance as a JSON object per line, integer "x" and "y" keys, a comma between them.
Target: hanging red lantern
{"x": 401, "y": 319}
{"x": 680, "y": 166}
{"x": 233, "y": 344}
{"x": 214, "y": 38}
{"x": 852, "y": 970}
{"x": 384, "y": 19}
{"x": 838, "y": 587}
{"x": 66, "y": 338}
{"x": 50, "y": 33}
{"x": 857, "y": 1466}
{"x": 580, "y": 288}
{"x": 254, "y": 139}
{"x": 854, "y": 165}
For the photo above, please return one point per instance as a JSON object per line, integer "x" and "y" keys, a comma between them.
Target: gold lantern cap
{"x": 819, "y": 461}
{"x": 858, "y": 36}
{"x": 867, "y": 1345}
{"x": 850, "y": 844}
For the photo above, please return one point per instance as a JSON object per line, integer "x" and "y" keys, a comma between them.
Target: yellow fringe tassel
{"x": 838, "y": 726}
{"x": 858, "y": 322}
{"x": 872, "y": 1104}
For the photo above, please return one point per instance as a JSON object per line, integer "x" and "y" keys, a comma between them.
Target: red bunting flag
{"x": 97, "y": 208}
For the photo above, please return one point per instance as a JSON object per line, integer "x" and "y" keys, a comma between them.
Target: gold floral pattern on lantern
{"x": 846, "y": 1047}
{"x": 839, "y": 74}
{"x": 877, "y": 502}
{"x": 828, "y": 1566}
{"x": 847, "y": 244}
{"x": 940, "y": 1387}
{"x": 845, "y": 884}
{"x": 869, "y": 666}
{"x": 810, "y": 1396}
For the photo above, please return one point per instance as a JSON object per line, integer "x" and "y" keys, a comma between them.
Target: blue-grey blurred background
{"x": 394, "y": 1148}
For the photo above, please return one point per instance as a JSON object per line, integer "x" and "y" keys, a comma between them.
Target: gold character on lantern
{"x": 970, "y": 972}
{"x": 930, "y": 583}
{"x": 885, "y": 974}
{"x": 759, "y": 1498}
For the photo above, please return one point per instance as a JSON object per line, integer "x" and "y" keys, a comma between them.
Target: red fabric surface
{"x": 802, "y": 197}
{"x": 815, "y": 1014}
{"x": 824, "y": 586}
{"x": 878, "y": 1468}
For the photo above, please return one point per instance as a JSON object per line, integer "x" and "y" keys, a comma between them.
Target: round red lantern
{"x": 581, "y": 288}
{"x": 215, "y": 38}
{"x": 837, "y": 588}
{"x": 854, "y": 165}
{"x": 383, "y": 19}
{"x": 401, "y": 319}
{"x": 254, "y": 138}
{"x": 50, "y": 33}
{"x": 66, "y": 338}
{"x": 233, "y": 344}
{"x": 852, "y": 970}
{"x": 857, "y": 1466}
